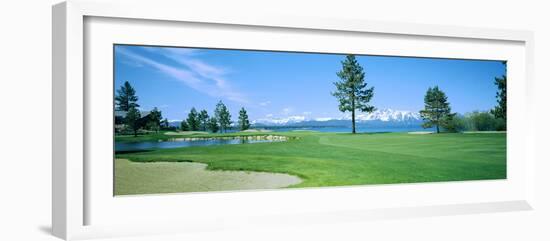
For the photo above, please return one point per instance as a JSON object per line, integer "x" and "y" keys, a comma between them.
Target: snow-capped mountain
{"x": 384, "y": 115}
{"x": 280, "y": 121}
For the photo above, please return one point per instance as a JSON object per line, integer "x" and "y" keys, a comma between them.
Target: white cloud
{"x": 182, "y": 51}
{"x": 265, "y": 103}
{"x": 205, "y": 70}
{"x": 287, "y": 110}
{"x": 132, "y": 63}
{"x": 197, "y": 74}
{"x": 323, "y": 119}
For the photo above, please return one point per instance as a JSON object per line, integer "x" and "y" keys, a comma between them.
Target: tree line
{"x": 437, "y": 112}
{"x": 353, "y": 95}
{"x": 126, "y": 100}
{"x": 220, "y": 121}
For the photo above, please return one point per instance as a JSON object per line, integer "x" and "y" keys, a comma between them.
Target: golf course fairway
{"x": 318, "y": 159}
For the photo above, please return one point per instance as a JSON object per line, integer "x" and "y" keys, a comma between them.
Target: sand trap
{"x": 420, "y": 132}
{"x": 184, "y": 133}
{"x": 256, "y": 130}
{"x": 175, "y": 177}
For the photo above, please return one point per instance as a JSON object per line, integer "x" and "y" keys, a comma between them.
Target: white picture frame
{"x": 73, "y": 194}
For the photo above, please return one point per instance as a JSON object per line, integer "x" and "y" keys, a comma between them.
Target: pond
{"x": 190, "y": 142}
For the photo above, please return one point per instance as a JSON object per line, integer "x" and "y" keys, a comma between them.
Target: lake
{"x": 359, "y": 128}
{"x": 176, "y": 143}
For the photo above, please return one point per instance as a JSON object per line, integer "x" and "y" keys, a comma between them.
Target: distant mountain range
{"x": 383, "y": 117}
{"x": 388, "y": 115}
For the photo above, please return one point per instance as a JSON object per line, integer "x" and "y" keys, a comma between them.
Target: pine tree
{"x": 126, "y": 97}
{"x": 213, "y": 124}
{"x": 244, "y": 123}
{"x": 184, "y": 126}
{"x": 155, "y": 118}
{"x": 193, "y": 120}
{"x": 437, "y": 111}
{"x": 500, "y": 110}
{"x": 132, "y": 119}
{"x": 351, "y": 91}
{"x": 223, "y": 116}
{"x": 165, "y": 123}
{"x": 203, "y": 120}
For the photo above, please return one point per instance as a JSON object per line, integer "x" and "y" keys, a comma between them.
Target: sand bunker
{"x": 256, "y": 130}
{"x": 184, "y": 133}
{"x": 175, "y": 177}
{"x": 420, "y": 132}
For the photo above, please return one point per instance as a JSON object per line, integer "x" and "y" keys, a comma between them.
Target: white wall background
{"x": 25, "y": 107}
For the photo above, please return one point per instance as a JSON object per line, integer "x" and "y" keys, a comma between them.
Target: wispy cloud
{"x": 265, "y": 103}
{"x": 184, "y": 51}
{"x": 193, "y": 72}
{"x": 287, "y": 110}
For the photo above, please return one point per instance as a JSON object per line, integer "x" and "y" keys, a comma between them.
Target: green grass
{"x": 335, "y": 159}
{"x": 143, "y": 137}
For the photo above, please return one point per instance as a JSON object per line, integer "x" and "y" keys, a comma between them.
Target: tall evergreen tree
{"x": 184, "y": 126}
{"x": 351, "y": 91}
{"x": 244, "y": 123}
{"x": 132, "y": 119}
{"x": 155, "y": 118}
{"x": 203, "y": 120}
{"x": 213, "y": 124}
{"x": 223, "y": 116}
{"x": 165, "y": 123}
{"x": 437, "y": 111}
{"x": 193, "y": 120}
{"x": 126, "y": 97}
{"x": 500, "y": 110}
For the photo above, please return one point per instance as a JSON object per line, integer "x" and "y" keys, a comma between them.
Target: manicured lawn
{"x": 334, "y": 159}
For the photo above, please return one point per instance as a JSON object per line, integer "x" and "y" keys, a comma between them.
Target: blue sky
{"x": 282, "y": 85}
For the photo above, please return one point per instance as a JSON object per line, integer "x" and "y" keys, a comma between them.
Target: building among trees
{"x": 120, "y": 119}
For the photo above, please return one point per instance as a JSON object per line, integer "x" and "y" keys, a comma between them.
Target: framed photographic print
{"x": 177, "y": 121}
{"x": 197, "y": 120}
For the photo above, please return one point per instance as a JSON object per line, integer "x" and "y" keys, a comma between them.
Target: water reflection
{"x": 188, "y": 142}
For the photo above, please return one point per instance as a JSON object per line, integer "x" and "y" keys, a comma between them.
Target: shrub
{"x": 500, "y": 124}
{"x": 455, "y": 124}
{"x": 483, "y": 121}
